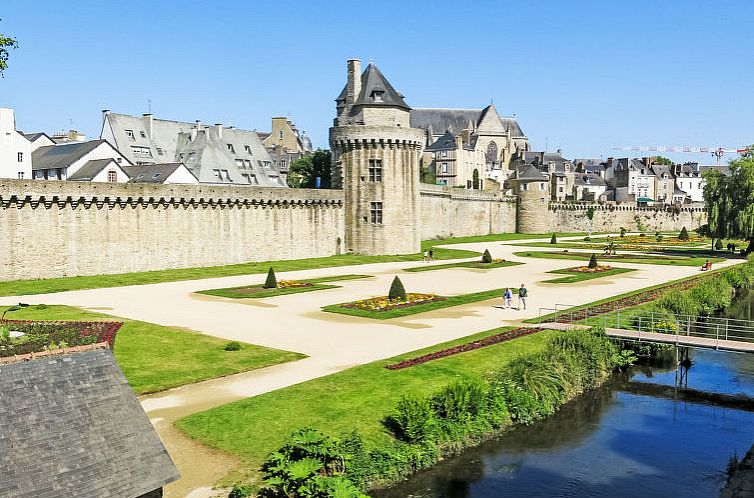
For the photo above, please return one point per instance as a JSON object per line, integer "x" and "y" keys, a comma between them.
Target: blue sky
{"x": 582, "y": 76}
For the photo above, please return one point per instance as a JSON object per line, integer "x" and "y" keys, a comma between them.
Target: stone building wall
{"x": 610, "y": 217}
{"x": 55, "y": 229}
{"x": 448, "y": 212}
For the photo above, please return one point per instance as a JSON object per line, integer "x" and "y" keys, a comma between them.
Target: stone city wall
{"x": 449, "y": 212}
{"x": 610, "y": 217}
{"x": 56, "y": 229}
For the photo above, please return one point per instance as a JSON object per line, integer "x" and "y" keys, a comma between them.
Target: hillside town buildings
{"x": 285, "y": 143}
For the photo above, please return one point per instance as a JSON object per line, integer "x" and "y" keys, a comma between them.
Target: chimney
{"x": 148, "y": 124}
{"x": 354, "y": 80}
{"x": 609, "y": 162}
{"x": 198, "y": 124}
{"x": 647, "y": 161}
{"x": 219, "y": 130}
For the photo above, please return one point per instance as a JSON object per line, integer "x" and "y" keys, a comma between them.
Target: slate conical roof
{"x": 376, "y": 90}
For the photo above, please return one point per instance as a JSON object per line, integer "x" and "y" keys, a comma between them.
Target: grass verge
{"x": 572, "y": 277}
{"x": 478, "y": 265}
{"x": 447, "y": 302}
{"x": 258, "y": 291}
{"x": 155, "y": 358}
{"x": 357, "y": 399}
{"x": 624, "y": 258}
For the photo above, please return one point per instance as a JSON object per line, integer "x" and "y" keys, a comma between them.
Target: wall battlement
{"x": 613, "y": 206}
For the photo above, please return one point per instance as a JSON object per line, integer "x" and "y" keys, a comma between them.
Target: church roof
{"x": 72, "y": 427}
{"x": 373, "y": 82}
{"x": 456, "y": 120}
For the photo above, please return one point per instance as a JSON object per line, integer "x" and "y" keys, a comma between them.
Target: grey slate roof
{"x": 372, "y": 80}
{"x": 456, "y": 120}
{"x": 527, "y": 172}
{"x": 63, "y": 155}
{"x": 90, "y": 170}
{"x": 445, "y": 142}
{"x": 589, "y": 179}
{"x": 72, "y": 427}
{"x": 151, "y": 173}
{"x": 723, "y": 168}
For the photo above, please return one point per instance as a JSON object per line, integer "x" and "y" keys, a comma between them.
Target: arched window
{"x": 492, "y": 158}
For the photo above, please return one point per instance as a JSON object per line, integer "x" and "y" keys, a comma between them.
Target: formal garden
{"x": 651, "y": 259}
{"x": 486, "y": 262}
{"x": 398, "y": 303}
{"x": 152, "y": 357}
{"x": 273, "y": 287}
{"x": 589, "y": 271}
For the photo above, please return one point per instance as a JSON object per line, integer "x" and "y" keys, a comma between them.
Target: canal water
{"x": 614, "y": 442}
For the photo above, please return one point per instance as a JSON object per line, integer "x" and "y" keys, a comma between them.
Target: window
{"x": 160, "y": 152}
{"x": 247, "y": 148}
{"x": 112, "y": 176}
{"x": 142, "y": 134}
{"x": 130, "y": 135}
{"x": 375, "y": 170}
{"x": 191, "y": 156}
{"x": 377, "y": 96}
{"x": 156, "y": 176}
{"x": 375, "y": 213}
{"x": 239, "y": 163}
{"x": 524, "y": 186}
{"x": 119, "y": 160}
{"x": 444, "y": 168}
{"x": 541, "y": 186}
{"x": 141, "y": 151}
{"x": 280, "y": 134}
{"x": 225, "y": 175}
{"x": 247, "y": 163}
{"x": 445, "y": 153}
{"x": 20, "y": 157}
{"x": 231, "y": 149}
{"x": 217, "y": 174}
{"x": 560, "y": 189}
{"x": 20, "y": 175}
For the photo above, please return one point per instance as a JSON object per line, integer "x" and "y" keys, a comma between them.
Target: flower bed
{"x": 292, "y": 284}
{"x": 462, "y": 348}
{"x": 43, "y": 335}
{"x": 382, "y": 303}
{"x": 586, "y": 269}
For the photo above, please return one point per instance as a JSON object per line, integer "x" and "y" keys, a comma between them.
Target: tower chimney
{"x": 354, "y": 80}
{"x": 219, "y": 130}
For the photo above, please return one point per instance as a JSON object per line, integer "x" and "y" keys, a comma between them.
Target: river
{"x": 630, "y": 438}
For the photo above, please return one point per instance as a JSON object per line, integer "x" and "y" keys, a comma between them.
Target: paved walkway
{"x": 333, "y": 342}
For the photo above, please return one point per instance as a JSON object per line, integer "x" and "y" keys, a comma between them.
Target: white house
{"x": 15, "y": 148}
{"x": 688, "y": 178}
{"x": 166, "y": 173}
{"x": 80, "y": 161}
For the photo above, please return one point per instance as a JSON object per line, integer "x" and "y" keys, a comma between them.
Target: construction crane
{"x": 716, "y": 152}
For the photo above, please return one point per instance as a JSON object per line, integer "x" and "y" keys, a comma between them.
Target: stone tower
{"x": 532, "y": 189}
{"x": 376, "y": 158}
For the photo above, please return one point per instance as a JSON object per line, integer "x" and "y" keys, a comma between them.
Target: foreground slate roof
{"x": 70, "y": 426}
{"x": 63, "y": 155}
{"x": 91, "y": 169}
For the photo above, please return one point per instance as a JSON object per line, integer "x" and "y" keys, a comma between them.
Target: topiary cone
{"x": 397, "y": 292}
{"x": 553, "y": 240}
{"x": 272, "y": 281}
{"x": 593, "y": 261}
{"x": 684, "y": 235}
{"x": 486, "y": 257}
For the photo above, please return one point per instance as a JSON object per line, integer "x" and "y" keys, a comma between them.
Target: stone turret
{"x": 376, "y": 161}
{"x": 532, "y": 190}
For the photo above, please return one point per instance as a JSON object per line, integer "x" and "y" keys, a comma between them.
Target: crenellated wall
{"x": 610, "y": 217}
{"x": 55, "y": 229}
{"x": 450, "y": 212}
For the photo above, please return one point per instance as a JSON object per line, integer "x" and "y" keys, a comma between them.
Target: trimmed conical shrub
{"x": 397, "y": 292}
{"x": 622, "y": 232}
{"x": 593, "y": 261}
{"x": 719, "y": 245}
{"x": 684, "y": 235}
{"x": 553, "y": 240}
{"x": 486, "y": 257}
{"x": 272, "y": 281}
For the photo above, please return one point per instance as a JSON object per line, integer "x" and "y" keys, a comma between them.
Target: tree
{"x": 427, "y": 174}
{"x": 684, "y": 235}
{"x": 272, "y": 281}
{"x": 303, "y": 172}
{"x": 6, "y": 45}
{"x": 590, "y": 216}
{"x": 475, "y": 179}
{"x": 486, "y": 257}
{"x": 553, "y": 239}
{"x": 593, "y": 261}
{"x": 661, "y": 160}
{"x": 397, "y": 291}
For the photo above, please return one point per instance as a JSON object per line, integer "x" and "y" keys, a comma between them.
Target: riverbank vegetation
{"x": 154, "y": 358}
{"x": 391, "y": 423}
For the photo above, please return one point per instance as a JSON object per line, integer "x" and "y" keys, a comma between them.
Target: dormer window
{"x": 231, "y": 149}
{"x": 377, "y": 96}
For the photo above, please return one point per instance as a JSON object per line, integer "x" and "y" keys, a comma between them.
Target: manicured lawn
{"x": 358, "y": 398}
{"x": 155, "y": 358}
{"x": 478, "y": 265}
{"x": 258, "y": 291}
{"x": 625, "y": 258}
{"x": 572, "y": 277}
{"x": 418, "y": 308}
{"x": 45, "y": 286}
{"x": 598, "y": 248}
{"x": 497, "y": 237}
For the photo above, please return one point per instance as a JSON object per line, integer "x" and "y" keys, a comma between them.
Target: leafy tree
{"x": 684, "y": 235}
{"x": 272, "y": 281}
{"x": 593, "y": 261}
{"x": 590, "y": 216}
{"x": 427, "y": 174}
{"x": 553, "y": 239}
{"x": 486, "y": 257}
{"x": 397, "y": 292}
{"x": 661, "y": 160}
{"x": 303, "y": 172}
{"x": 6, "y": 45}
{"x": 719, "y": 245}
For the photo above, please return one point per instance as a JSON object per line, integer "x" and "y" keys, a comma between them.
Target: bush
{"x": 679, "y": 303}
{"x": 233, "y": 346}
{"x": 272, "y": 281}
{"x": 659, "y": 238}
{"x": 461, "y": 400}
{"x": 486, "y": 257}
{"x": 397, "y": 292}
{"x": 593, "y": 261}
{"x": 655, "y": 318}
{"x": 587, "y": 239}
{"x": 622, "y": 232}
{"x": 684, "y": 235}
{"x": 241, "y": 491}
{"x": 553, "y": 239}
{"x": 712, "y": 295}
{"x": 413, "y": 419}
{"x": 719, "y": 245}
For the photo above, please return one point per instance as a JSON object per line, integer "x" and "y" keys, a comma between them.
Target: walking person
{"x": 522, "y": 295}
{"x": 431, "y": 254}
{"x": 425, "y": 256}
{"x": 508, "y": 297}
